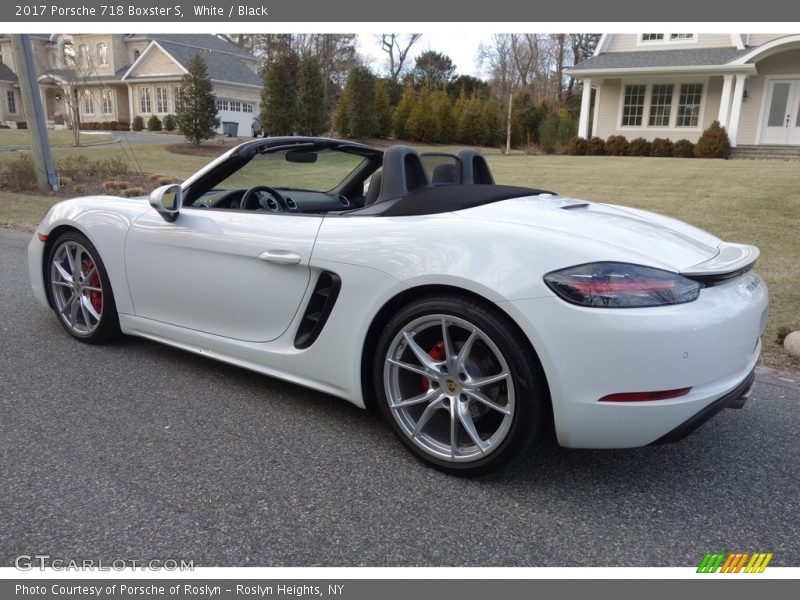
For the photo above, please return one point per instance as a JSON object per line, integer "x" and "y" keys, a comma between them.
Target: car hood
{"x": 637, "y": 235}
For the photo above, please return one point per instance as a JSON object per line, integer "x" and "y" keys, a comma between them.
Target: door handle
{"x": 281, "y": 257}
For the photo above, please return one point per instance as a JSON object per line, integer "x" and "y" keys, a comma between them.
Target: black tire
{"x": 86, "y": 328}
{"x": 529, "y": 393}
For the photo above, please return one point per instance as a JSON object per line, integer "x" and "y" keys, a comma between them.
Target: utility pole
{"x": 32, "y": 104}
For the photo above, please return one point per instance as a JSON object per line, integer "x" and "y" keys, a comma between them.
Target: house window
{"x": 161, "y": 100}
{"x": 68, "y": 54}
{"x": 666, "y": 37}
{"x": 12, "y": 102}
{"x": 660, "y": 105}
{"x": 689, "y": 104}
{"x": 88, "y": 103}
{"x": 633, "y": 106}
{"x": 222, "y": 105}
{"x": 236, "y": 106}
{"x": 144, "y": 100}
{"x": 102, "y": 53}
{"x": 176, "y": 96}
{"x": 83, "y": 55}
{"x": 108, "y": 102}
{"x": 248, "y": 108}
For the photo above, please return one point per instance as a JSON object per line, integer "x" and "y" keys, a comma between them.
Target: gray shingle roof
{"x": 201, "y": 40}
{"x": 6, "y": 74}
{"x": 646, "y": 59}
{"x": 221, "y": 65}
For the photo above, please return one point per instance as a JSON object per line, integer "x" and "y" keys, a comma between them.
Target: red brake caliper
{"x": 94, "y": 281}
{"x": 436, "y": 352}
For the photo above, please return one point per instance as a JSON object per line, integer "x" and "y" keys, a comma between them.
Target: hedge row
{"x": 713, "y": 143}
{"x": 105, "y": 126}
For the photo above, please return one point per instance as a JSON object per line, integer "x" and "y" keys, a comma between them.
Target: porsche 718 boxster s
{"x": 471, "y": 314}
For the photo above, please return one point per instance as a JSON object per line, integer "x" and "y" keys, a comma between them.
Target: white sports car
{"x": 471, "y": 314}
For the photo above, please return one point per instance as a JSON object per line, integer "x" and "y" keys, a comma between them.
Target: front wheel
{"x": 456, "y": 386}
{"x": 79, "y": 289}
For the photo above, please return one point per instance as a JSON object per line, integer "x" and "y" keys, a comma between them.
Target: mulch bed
{"x": 210, "y": 150}
{"x": 93, "y": 186}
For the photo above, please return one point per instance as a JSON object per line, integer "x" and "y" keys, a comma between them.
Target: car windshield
{"x": 316, "y": 171}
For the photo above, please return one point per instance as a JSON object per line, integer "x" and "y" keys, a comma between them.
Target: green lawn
{"x": 17, "y": 139}
{"x": 755, "y": 202}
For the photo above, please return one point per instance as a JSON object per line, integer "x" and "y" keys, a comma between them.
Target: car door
{"x": 236, "y": 274}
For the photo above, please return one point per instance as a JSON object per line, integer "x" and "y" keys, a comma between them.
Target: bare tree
{"x": 508, "y": 66}
{"x": 559, "y": 44}
{"x": 71, "y": 80}
{"x": 396, "y": 48}
{"x": 583, "y": 46}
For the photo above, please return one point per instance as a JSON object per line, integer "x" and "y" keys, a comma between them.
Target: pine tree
{"x": 312, "y": 118}
{"x": 196, "y": 114}
{"x": 403, "y": 111}
{"x": 360, "y": 95}
{"x": 470, "y": 126}
{"x": 279, "y": 95}
{"x": 422, "y": 125}
{"x": 492, "y": 121}
{"x": 341, "y": 120}
{"x": 383, "y": 110}
{"x": 446, "y": 124}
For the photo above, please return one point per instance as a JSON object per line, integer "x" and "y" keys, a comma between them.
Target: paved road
{"x": 145, "y": 138}
{"x": 139, "y": 451}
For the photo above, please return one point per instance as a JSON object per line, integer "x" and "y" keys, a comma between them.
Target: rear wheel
{"x": 456, "y": 386}
{"x": 79, "y": 289}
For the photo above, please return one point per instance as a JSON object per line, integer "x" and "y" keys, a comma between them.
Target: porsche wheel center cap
{"x": 451, "y": 386}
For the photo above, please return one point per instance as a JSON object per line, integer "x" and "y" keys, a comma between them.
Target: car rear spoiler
{"x": 731, "y": 260}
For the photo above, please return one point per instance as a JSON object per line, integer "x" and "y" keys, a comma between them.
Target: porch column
{"x": 130, "y": 106}
{"x": 596, "y": 108}
{"x": 583, "y": 123}
{"x": 43, "y": 96}
{"x": 736, "y": 108}
{"x": 725, "y": 101}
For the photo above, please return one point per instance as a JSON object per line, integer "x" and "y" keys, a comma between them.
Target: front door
{"x": 782, "y": 113}
{"x": 212, "y": 270}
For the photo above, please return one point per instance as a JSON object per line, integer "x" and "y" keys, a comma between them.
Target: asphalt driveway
{"x": 139, "y": 451}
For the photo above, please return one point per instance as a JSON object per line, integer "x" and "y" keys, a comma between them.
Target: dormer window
{"x": 102, "y": 53}
{"x": 83, "y": 55}
{"x": 68, "y": 54}
{"x": 665, "y": 38}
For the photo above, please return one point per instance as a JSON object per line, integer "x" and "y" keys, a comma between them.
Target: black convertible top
{"x": 445, "y": 198}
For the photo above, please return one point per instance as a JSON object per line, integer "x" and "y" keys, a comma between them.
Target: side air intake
{"x": 318, "y": 310}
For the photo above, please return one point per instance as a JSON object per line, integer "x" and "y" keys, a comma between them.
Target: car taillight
{"x": 621, "y": 285}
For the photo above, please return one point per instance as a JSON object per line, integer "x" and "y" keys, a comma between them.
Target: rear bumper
{"x": 733, "y": 399}
{"x": 710, "y": 345}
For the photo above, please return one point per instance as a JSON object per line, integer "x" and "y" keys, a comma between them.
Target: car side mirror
{"x": 167, "y": 200}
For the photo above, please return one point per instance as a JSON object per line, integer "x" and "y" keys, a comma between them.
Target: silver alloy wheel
{"x": 449, "y": 388}
{"x": 76, "y": 288}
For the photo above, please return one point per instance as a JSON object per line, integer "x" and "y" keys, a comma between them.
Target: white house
{"x": 673, "y": 85}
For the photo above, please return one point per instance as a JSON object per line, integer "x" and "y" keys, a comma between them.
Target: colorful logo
{"x": 714, "y": 562}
